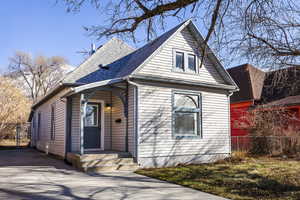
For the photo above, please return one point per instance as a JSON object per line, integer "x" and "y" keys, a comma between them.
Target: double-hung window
{"x": 53, "y": 121}
{"x": 186, "y": 114}
{"x": 185, "y": 61}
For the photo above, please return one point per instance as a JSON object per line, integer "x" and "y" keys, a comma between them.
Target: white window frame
{"x": 185, "y": 64}
{"x": 198, "y": 132}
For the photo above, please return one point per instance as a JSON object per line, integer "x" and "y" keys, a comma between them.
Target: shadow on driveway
{"x": 28, "y": 174}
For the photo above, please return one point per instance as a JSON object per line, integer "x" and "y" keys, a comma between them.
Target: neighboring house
{"x": 250, "y": 82}
{"x": 269, "y": 90}
{"x": 155, "y": 103}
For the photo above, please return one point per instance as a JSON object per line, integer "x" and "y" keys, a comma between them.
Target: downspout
{"x": 136, "y": 138}
{"x": 229, "y": 120}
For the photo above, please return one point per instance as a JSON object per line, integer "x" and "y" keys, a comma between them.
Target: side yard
{"x": 250, "y": 178}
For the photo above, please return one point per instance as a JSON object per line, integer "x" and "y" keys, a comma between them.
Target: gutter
{"x": 50, "y": 94}
{"x": 54, "y": 91}
{"x": 183, "y": 82}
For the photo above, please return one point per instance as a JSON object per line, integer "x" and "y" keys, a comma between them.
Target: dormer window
{"x": 185, "y": 61}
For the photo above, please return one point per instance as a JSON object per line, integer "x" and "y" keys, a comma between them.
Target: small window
{"x": 179, "y": 60}
{"x": 185, "y": 61}
{"x": 186, "y": 114}
{"x": 91, "y": 118}
{"x": 39, "y": 126}
{"x": 191, "y": 62}
{"x": 53, "y": 122}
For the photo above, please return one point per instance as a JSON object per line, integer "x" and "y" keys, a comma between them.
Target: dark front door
{"x": 92, "y": 126}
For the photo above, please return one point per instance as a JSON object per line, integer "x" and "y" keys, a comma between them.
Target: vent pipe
{"x": 93, "y": 49}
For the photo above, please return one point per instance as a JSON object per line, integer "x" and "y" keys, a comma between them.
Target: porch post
{"x": 83, "y": 104}
{"x": 126, "y": 115}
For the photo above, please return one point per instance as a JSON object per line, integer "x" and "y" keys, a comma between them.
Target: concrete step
{"x": 104, "y": 156}
{"x": 105, "y": 162}
{"x": 112, "y": 168}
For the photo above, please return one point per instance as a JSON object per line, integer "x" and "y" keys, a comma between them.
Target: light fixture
{"x": 108, "y": 106}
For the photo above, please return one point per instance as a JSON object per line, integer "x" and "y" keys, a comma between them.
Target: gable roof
{"x": 122, "y": 60}
{"x": 250, "y": 80}
{"x": 128, "y": 64}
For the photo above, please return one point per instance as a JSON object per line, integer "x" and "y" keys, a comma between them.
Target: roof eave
{"x": 53, "y": 92}
{"x": 183, "y": 82}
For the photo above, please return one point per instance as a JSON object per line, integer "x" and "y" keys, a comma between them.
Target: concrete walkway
{"x": 28, "y": 174}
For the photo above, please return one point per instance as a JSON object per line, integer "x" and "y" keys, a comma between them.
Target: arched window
{"x": 186, "y": 114}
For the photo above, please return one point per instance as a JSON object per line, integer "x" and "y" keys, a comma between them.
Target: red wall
{"x": 238, "y": 120}
{"x": 239, "y": 117}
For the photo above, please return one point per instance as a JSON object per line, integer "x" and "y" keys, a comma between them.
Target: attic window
{"x": 103, "y": 66}
{"x": 185, "y": 61}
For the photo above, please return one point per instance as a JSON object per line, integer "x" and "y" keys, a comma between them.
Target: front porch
{"x": 101, "y": 128}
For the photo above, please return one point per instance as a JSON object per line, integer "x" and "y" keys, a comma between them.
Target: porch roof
{"x": 79, "y": 89}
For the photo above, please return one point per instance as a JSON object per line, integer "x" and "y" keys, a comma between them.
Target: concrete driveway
{"x": 28, "y": 174}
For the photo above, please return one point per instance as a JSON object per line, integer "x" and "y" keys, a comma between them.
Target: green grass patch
{"x": 253, "y": 178}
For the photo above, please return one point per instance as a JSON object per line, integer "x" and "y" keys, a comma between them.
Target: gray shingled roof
{"x": 121, "y": 60}
{"x": 127, "y": 64}
{"x": 112, "y": 50}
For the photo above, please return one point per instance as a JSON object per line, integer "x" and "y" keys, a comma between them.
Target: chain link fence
{"x": 272, "y": 145}
{"x": 15, "y": 135}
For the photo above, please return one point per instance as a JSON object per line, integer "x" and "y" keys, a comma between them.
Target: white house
{"x": 156, "y": 106}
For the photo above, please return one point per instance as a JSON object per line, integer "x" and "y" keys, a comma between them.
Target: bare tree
{"x": 263, "y": 31}
{"x": 36, "y": 75}
{"x": 14, "y": 107}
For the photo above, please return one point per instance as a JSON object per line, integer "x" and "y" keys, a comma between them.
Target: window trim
{"x": 53, "y": 121}
{"x": 175, "y": 61}
{"x": 195, "y": 62}
{"x": 97, "y": 105}
{"x": 186, "y": 69}
{"x": 199, "y": 125}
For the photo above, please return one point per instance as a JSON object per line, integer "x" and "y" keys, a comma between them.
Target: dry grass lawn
{"x": 253, "y": 178}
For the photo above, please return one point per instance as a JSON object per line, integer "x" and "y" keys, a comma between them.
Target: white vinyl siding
{"x": 114, "y": 132}
{"x": 161, "y": 64}
{"x": 131, "y": 120}
{"x": 118, "y": 129}
{"x": 155, "y": 126}
{"x": 44, "y": 142}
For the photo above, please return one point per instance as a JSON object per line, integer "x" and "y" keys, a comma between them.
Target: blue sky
{"x": 43, "y": 27}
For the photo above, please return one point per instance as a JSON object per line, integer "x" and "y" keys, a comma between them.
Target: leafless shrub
{"x": 272, "y": 131}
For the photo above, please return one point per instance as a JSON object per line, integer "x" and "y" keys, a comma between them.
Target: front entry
{"x": 92, "y": 127}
